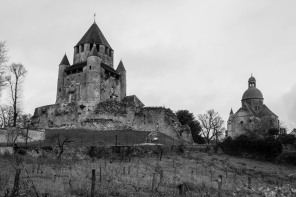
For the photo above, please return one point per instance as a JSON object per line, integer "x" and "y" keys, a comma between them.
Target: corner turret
{"x": 60, "y": 87}
{"x": 121, "y": 70}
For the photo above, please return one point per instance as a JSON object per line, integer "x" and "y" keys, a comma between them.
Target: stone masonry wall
{"x": 111, "y": 115}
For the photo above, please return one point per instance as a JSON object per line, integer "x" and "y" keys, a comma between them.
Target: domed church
{"x": 253, "y": 116}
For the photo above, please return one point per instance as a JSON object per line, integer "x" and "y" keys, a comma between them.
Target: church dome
{"x": 252, "y": 93}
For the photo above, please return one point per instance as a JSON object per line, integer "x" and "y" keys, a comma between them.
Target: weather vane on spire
{"x": 94, "y": 17}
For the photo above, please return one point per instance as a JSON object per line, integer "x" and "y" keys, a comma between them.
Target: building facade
{"x": 253, "y": 116}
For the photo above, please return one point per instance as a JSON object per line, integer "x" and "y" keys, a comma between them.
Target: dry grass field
{"x": 188, "y": 173}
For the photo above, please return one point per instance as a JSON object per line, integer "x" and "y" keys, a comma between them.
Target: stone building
{"x": 253, "y": 116}
{"x": 91, "y": 78}
{"x": 91, "y": 94}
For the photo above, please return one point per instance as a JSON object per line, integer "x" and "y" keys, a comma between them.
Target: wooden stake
{"x": 93, "y": 183}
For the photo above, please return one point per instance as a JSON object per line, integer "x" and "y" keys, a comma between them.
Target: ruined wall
{"x": 110, "y": 87}
{"x": 111, "y": 115}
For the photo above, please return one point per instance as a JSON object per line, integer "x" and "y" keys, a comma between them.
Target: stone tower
{"x": 60, "y": 87}
{"x": 91, "y": 79}
{"x": 121, "y": 70}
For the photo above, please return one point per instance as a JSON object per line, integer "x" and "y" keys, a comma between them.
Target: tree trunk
{"x": 15, "y": 188}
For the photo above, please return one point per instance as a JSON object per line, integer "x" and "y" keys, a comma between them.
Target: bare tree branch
{"x": 212, "y": 125}
{"x": 15, "y": 81}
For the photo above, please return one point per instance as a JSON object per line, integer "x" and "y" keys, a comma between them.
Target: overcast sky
{"x": 181, "y": 54}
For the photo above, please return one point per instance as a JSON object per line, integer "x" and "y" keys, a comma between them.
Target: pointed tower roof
{"x": 65, "y": 61}
{"x": 94, "y": 36}
{"x": 120, "y": 67}
{"x": 94, "y": 51}
{"x": 231, "y": 112}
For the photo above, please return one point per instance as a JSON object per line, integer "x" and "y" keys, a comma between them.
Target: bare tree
{"x": 6, "y": 116}
{"x": 3, "y": 59}
{"x": 15, "y": 81}
{"x": 61, "y": 144}
{"x": 212, "y": 125}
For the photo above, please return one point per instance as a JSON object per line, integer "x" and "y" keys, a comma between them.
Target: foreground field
{"x": 187, "y": 173}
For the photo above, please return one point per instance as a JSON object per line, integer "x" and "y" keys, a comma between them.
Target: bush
{"x": 287, "y": 139}
{"x": 267, "y": 148}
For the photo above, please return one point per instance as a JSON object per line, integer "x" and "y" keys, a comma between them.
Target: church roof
{"x": 120, "y": 67}
{"x": 252, "y": 93}
{"x": 94, "y": 36}
{"x": 265, "y": 111}
{"x": 65, "y": 61}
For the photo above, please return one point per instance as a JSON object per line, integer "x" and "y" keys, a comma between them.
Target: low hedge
{"x": 267, "y": 148}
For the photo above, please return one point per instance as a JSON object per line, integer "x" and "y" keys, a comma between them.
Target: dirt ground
{"x": 186, "y": 174}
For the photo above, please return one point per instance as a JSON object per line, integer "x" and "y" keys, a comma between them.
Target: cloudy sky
{"x": 188, "y": 54}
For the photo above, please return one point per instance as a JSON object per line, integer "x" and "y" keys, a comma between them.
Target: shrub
{"x": 267, "y": 148}
{"x": 287, "y": 139}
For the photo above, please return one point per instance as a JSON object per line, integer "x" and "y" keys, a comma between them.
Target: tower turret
{"x": 121, "y": 70}
{"x": 60, "y": 87}
{"x": 92, "y": 77}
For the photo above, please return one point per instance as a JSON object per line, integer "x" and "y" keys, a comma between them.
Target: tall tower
{"x": 60, "y": 87}
{"x": 93, "y": 37}
{"x": 121, "y": 70}
{"x": 92, "y": 76}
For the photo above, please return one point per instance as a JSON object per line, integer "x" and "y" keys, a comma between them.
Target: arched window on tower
{"x": 90, "y": 46}
{"x": 82, "y": 48}
{"x": 98, "y": 47}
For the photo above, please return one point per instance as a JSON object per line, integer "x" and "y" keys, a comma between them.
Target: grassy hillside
{"x": 146, "y": 175}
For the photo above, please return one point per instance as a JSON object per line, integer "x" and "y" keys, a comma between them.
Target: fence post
{"x": 153, "y": 184}
{"x": 160, "y": 154}
{"x": 100, "y": 173}
{"x": 116, "y": 141}
{"x": 219, "y": 186}
{"x": 249, "y": 182}
{"x": 93, "y": 183}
